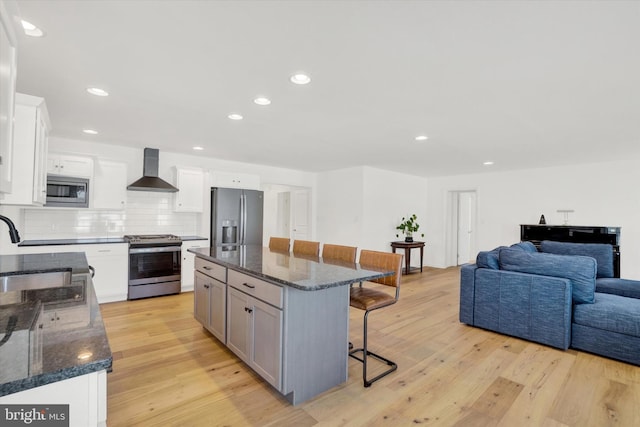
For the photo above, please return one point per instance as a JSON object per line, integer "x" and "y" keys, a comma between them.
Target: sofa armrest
{"x": 528, "y": 306}
{"x": 467, "y": 292}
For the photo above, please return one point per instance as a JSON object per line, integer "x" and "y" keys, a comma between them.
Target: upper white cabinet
{"x": 235, "y": 180}
{"x": 109, "y": 185}
{"x": 8, "y": 53}
{"x": 190, "y": 195}
{"x": 70, "y": 165}
{"x": 31, "y": 133}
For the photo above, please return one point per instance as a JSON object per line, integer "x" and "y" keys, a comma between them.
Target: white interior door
{"x": 301, "y": 218}
{"x": 284, "y": 214}
{"x": 466, "y": 226}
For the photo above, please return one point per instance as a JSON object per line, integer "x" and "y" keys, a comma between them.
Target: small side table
{"x": 407, "y": 246}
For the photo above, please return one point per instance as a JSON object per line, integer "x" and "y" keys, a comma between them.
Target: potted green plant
{"x": 408, "y": 227}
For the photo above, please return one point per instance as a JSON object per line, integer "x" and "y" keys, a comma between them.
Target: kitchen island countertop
{"x": 286, "y": 269}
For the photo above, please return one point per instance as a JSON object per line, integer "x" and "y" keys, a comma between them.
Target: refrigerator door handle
{"x": 243, "y": 218}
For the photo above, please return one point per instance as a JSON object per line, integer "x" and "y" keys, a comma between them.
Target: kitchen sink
{"x": 31, "y": 281}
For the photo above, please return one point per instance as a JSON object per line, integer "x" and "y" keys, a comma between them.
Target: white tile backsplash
{"x": 146, "y": 213}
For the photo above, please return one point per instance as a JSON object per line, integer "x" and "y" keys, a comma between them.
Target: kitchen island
{"x": 285, "y": 316}
{"x": 54, "y": 345}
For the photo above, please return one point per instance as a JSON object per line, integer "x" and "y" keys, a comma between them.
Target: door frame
{"x": 274, "y": 223}
{"x": 451, "y": 225}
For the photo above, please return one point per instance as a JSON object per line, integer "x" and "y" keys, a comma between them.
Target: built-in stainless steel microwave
{"x": 67, "y": 191}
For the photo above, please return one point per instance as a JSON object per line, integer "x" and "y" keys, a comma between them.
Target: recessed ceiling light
{"x": 90, "y": 131}
{"x": 198, "y": 148}
{"x": 489, "y": 163}
{"x": 97, "y": 91}
{"x": 235, "y": 116}
{"x": 261, "y": 100}
{"x": 31, "y": 30}
{"x": 300, "y": 79}
{"x": 422, "y": 138}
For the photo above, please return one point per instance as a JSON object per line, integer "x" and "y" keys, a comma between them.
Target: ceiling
{"x": 523, "y": 84}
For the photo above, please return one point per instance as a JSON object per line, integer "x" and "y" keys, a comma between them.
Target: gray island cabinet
{"x": 286, "y": 317}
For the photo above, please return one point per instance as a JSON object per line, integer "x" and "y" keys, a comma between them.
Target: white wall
{"x": 340, "y": 206}
{"x": 601, "y": 194}
{"x": 362, "y": 206}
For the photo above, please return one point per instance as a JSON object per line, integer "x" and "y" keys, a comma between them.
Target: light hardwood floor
{"x": 168, "y": 371}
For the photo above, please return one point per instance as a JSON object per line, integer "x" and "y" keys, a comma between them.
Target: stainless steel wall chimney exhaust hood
{"x": 150, "y": 180}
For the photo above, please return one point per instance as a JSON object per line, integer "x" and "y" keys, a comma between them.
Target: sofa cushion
{"x": 610, "y": 313}
{"x": 622, "y": 287}
{"x": 489, "y": 259}
{"x": 580, "y": 270}
{"x": 524, "y": 246}
{"x": 602, "y": 253}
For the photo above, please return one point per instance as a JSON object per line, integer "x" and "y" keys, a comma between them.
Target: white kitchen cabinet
{"x": 109, "y": 186}
{"x": 70, "y": 165}
{"x": 85, "y": 394}
{"x": 111, "y": 264}
{"x": 8, "y": 73}
{"x": 110, "y": 261}
{"x": 254, "y": 334}
{"x": 190, "y": 194}
{"x": 31, "y": 133}
{"x": 235, "y": 180}
{"x": 188, "y": 263}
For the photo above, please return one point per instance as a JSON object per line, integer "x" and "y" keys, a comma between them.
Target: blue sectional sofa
{"x": 563, "y": 296}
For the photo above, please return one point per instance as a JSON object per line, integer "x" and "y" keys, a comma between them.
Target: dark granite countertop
{"x": 189, "y": 238}
{"x": 38, "y": 263}
{"x": 87, "y": 241}
{"x": 304, "y": 273}
{"x": 57, "y": 333}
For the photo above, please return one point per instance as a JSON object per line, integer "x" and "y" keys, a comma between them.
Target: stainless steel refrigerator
{"x": 236, "y": 216}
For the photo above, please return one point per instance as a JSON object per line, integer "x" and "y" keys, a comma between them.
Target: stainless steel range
{"x": 154, "y": 265}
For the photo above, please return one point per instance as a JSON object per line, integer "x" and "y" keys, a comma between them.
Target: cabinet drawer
{"x": 265, "y": 291}
{"x": 211, "y": 269}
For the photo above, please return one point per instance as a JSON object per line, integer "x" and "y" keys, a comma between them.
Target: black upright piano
{"x": 575, "y": 234}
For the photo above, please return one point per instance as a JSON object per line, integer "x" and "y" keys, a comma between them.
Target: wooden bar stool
{"x": 306, "y": 247}
{"x": 280, "y": 244}
{"x": 368, "y": 299}
{"x": 339, "y": 253}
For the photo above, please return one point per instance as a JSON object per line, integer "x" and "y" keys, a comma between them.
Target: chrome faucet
{"x": 13, "y": 231}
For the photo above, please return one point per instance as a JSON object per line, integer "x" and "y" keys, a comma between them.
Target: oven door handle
{"x": 154, "y": 250}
